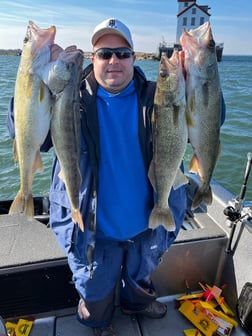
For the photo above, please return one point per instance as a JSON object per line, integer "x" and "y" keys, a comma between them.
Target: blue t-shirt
{"x": 124, "y": 193}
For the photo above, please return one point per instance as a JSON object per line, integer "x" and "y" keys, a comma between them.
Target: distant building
{"x": 190, "y": 16}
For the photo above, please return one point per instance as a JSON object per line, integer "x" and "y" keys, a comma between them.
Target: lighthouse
{"x": 190, "y": 16}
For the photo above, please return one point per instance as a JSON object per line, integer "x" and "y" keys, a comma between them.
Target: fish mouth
{"x": 200, "y": 36}
{"x": 72, "y": 55}
{"x": 39, "y": 37}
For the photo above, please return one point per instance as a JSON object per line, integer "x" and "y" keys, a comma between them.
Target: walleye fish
{"x": 203, "y": 93}
{"x": 32, "y": 112}
{"x": 64, "y": 81}
{"x": 169, "y": 138}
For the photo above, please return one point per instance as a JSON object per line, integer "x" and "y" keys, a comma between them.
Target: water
{"x": 236, "y": 133}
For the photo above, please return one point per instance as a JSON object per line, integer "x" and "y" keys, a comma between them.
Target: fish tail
{"x": 203, "y": 194}
{"x": 161, "y": 216}
{"x": 22, "y": 204}
{"x": 77, "y": 218}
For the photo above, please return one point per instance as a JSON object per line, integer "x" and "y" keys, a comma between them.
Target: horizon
{"x": 140, "y": 52}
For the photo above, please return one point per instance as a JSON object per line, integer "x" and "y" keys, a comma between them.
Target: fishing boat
{"x": 213, "y": 248}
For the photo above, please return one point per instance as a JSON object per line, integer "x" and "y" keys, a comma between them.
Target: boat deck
{"x": 173, "y": 324}
{"x": 35, "y": 281}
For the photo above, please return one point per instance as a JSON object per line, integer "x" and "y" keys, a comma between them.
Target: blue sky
{"x": 149, "y": 20}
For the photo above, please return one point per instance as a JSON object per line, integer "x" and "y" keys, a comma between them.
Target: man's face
{"x": 113, "y": 74}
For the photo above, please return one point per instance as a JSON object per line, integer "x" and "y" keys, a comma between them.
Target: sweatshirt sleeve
{"x": 10, "y": 118}
{"x": 11, "y": 127}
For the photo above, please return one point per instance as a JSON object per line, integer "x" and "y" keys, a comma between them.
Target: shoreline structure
{"x": 139, "y": 55}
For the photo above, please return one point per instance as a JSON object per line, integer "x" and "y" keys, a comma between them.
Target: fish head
{"x": 37, "y": 38}
{"x": 200, "y": 37}
{"x": 199, "y": 47}
{"x": 72, "y": 55}
{"x": 68, "y": 63}
{"x": 170, "y": 81}
{"x": 167, "y": 71}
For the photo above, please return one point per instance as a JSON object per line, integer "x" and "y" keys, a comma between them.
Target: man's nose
{"x": 114, "y": 59}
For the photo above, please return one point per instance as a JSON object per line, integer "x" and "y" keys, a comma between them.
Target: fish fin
{"x": 203, "y": 194}
{"x": 15, "y": 153}
{"x": 29, "y": 207}
{"x": 77, "y": 218}
{"x": 38, "y": 164}
{"x": 194, "y": 166}
{"x": 180, "y": 180}
{"x": 61, "y": 175}
{"x": 160, "y": 216}
{"x": 189, "y": 120}
{"x": 21, "y": 204}
{"x": 153, "y": 117}
{"x": 151, "y": 175}
{"x": 41, "y": 92}
{"x": 192, "y": 101}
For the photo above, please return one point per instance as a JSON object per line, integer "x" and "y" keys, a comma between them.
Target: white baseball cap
{"x": 112, "y": 26}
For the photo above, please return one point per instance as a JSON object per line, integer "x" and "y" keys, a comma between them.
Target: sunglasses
{"x": 106, "y": 53}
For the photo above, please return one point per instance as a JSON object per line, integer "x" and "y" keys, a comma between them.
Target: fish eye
{"x": 211, "y": 44}
{"x": 163, "y": 73}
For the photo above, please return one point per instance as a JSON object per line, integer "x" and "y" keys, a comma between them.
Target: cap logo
{"x": 112, "y": 23}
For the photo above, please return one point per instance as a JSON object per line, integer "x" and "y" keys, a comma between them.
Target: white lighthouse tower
{"x": 190, "y": 16}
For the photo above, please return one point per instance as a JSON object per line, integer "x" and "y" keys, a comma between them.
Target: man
{"x": 116, "y": 249}
{"x": 116, "y": 105}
